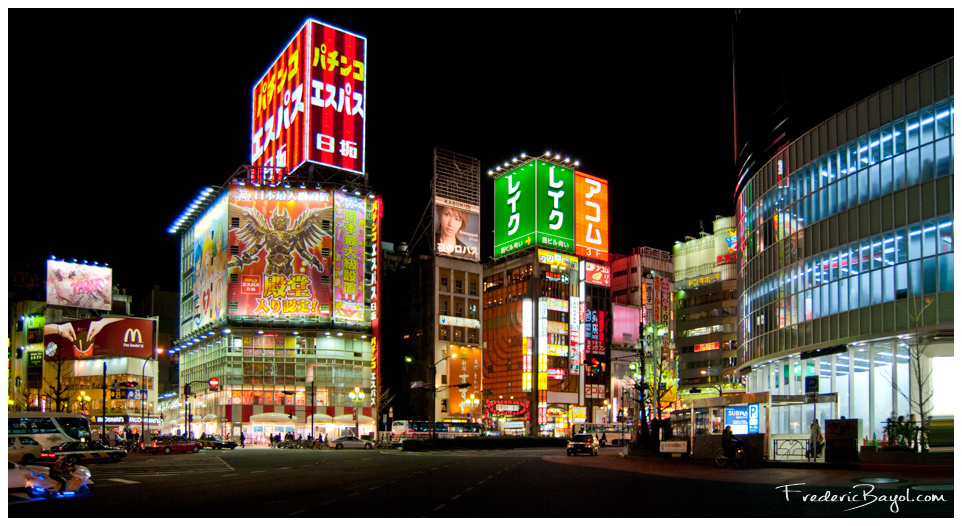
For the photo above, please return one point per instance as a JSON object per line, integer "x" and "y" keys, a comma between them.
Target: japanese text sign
{"x": 591, "y": 216}
{"x": 309, "y": 106}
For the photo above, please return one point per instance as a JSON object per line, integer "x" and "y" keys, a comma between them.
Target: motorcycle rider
{"x": 62, "y": 471}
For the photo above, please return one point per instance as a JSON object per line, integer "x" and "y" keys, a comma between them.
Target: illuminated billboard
{"x": 309, "y": 106}
{"x": 211, "y": 250}
{"x": 350, "y": 242}
{"x": 597, "y": 274}
{"x": 78, "y": 285}
{"x": 457, "y": 228}
{"x": 626, "y": 320}
{"x": 549, "y": 205}
{"x": 591, "y": 216}
{"x": 99, "y": 338}
{"x": 283, "y": 263}
{"x": 464, "y": 366}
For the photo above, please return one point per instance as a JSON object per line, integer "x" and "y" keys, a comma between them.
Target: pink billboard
{"x": 626, "y": 320}
{"x": 309, "y": 106}
{"x": 78, "y": 285}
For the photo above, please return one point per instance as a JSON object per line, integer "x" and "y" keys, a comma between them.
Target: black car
{"x": 583, "y": 444}
{"x": 83, "y": 452}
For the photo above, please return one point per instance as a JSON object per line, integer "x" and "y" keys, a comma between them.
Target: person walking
{"x": 242, "y": 439}
{"x": 814, "y": 440}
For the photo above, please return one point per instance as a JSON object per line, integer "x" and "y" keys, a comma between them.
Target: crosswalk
{"x": 161, "y": 467}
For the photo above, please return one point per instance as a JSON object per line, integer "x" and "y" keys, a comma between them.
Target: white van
{"x": 23, "y": 449}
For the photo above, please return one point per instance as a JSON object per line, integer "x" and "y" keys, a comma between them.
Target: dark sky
{"x": 117, "y": 119}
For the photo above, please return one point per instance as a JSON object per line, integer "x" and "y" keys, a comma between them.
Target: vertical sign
{"x": 376, "y": 213}
{"x": 556, "y": 225}
{"x": 591, "y": 216}
{"x": 349, "y": 245}
{"x": 464, "y": 367}
{"x": 514, "y": 204}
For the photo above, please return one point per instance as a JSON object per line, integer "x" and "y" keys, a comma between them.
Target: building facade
{"x": 845, "y": 251}
{"x": 279, "y": 303}
{"x": 705, "y": 311}
{"x": 643, "y": 280}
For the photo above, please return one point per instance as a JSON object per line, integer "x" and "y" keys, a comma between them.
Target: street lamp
{"x": 83, "y": 399}
{"x": 434, "y": 388}
{"x": 357, "y": 396}
{"x": 143, "y": 396}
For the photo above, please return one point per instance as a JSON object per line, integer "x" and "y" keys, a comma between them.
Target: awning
{"x": 270, "y": 418}
{"x": 345, "y": 419}
{"x": 210, "y": 417}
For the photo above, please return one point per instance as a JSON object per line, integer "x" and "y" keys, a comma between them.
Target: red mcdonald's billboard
{"x": 99, "y": 338}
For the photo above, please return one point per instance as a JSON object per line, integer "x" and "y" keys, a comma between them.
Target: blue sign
{"x": 738, "y": 418}
{"x": 753, "y": 418}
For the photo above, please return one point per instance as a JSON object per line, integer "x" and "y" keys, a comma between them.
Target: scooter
{"x": 41, "y": 484}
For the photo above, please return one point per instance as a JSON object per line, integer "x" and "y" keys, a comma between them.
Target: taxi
{"x": 214, "y": 443}
{"x": 83, "y": 452}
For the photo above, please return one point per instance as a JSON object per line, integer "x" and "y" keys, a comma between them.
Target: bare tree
{"x": 58, "y": 391}
{"x": 919, "y": 391}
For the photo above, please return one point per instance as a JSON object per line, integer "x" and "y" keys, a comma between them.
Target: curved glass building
{"x": 845, "y": 239}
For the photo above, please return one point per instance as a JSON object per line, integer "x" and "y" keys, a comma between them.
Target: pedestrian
{"x": 113, "y": 438}
{"x": 242, "y": 439}
{"x": 814, "y": 440}
{"x": 604, "y": 440}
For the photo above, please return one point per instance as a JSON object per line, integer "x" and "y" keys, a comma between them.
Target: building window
{"x": 444, "y": 284}
{"x": 458, "y": 288}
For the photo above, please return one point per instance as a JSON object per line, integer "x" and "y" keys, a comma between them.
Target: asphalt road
{"x": 536, "y": 483}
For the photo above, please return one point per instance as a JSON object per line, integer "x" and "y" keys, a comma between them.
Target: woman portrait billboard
{"x": 456, "y": 229}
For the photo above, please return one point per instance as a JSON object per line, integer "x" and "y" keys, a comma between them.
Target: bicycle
{"x": 739, "y": 458}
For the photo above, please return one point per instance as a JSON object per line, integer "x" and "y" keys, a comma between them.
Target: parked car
{"x": 583, "y": 444}
{"x": 351, "y": 442}
{"x": 171, "y": 444}
{"x": 23, "y": 449}
{"x": 84, "y": 452}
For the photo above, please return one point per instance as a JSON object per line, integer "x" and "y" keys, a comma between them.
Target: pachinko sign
{"x": 98, "y": 338}
{"x": 309, "y": 106}
{"x": 349, "y": 245}
{"x": 283, "y": 264}
{"x": 78, "y": 285}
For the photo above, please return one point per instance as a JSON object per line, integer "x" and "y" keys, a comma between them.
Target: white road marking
{"x": 125, "y": 481}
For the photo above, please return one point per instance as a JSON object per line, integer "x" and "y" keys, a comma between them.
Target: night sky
{"x": 117, "y": 120}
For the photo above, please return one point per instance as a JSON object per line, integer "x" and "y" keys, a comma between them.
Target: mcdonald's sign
{"x": 99, "y": 338}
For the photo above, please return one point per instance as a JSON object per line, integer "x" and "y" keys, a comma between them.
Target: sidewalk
{"x": 785, "y": 472}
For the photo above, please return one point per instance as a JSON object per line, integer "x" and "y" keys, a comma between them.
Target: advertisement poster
{"x": 78, "y": 285}
{"x": 597, "y": 274}
{"x": 457, "y": 228}
{"x": 350, "y": 242}
{"x": 285, "y": 239}
{"x": 99, "y": 338}
{"x": 211, "y": 255}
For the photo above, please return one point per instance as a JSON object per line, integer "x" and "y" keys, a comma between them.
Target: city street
{"x": 260, "y": 482}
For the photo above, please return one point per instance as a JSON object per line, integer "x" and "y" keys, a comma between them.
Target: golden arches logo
{"x": 133, "y": 336}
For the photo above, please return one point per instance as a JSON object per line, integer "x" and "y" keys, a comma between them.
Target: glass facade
{"x": 838, "y": 234}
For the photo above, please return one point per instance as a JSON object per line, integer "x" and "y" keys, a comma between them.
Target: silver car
{"x": 351, "y": 442}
